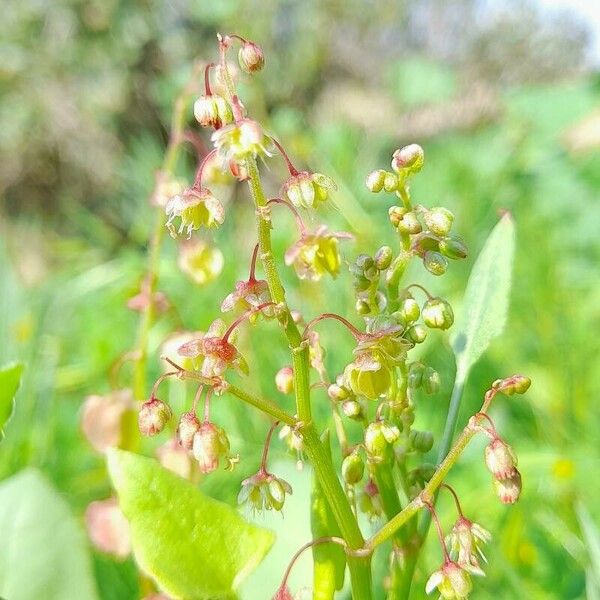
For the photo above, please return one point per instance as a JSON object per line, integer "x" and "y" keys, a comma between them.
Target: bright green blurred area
{"x": 87, "y": 89}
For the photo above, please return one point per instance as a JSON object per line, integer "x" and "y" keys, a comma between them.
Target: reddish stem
{"x": 207, "y": 69}
{"x": 196, "y": 141}
{"x": 207, "y": 405}
{"x": 439, "y": 531}
{"x": 160, "y": 380}
{"x": 493, "y": 431}
{"x": 198, "y": 180}
{"x": 234, "y": 36}
{"x": 417, "y": 285}
{"x": 358, "y": 335}
{"x": 197, "y": 398}
{"x": 265, "y": 454}
{"x": 252, "y": 276}
{"x": 291, "y": 168}
{"x": 236, "y": 107}
{"x": 456, "y": 500}
{"x": 299, "y": 222}
{"x": 243, "y": 317}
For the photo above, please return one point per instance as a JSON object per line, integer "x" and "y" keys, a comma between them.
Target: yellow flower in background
{"x": 201, "y": 262}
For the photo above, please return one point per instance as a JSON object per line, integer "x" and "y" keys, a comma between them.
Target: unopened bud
{"x": 251, "y": 57}
{"x": 276, "y": 494}
{"x": 353, "y": 468}
{"x": 421, "y": 441}
{"x": 390, "y": 182}
{"x": 415, "y": 375}
{"x": 439, "y": 220}
{"x": 409, "y": 224}
{"x": 153, "y": 416}
{"x": 435, "y": 263}
{"x": 210, "y": 445}
{"x": 437, "y": 314}
{"x": 431, "y": 381}
{"x": 395, "y": 214}
{"x": 453, "y": 248}
{"x": 187, "y": 428}
{"x": 379, "y": 437}
{"x": 416, "y": 334}
{"x": 284, "y": 380}
{"x": 500, "y": 459}
{"x": 383, "y": 257}
{"x": 352, "y": 409}
{"x": 509, "y": 490}
{"x": 212, "y": 111}
{"x": 517, "y": 384}
{"x": 375, "y": 180}
{"x": 337, "y": 392}
{"x": 362, "y": 307}
{"x": 409, "y": 159}
{"x": 409, "y": 310}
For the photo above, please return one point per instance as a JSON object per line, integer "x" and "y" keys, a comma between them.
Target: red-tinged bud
{"x": 408, "y": 160}
{"x": 500, "y": 459}
{"x": 284, "y": 380}
{"x": 352, "y": 409}
{"x": 153, "y": 416}
{"x": 251, "y": 57}
{"x": 509, "y": 490}
{"x": 108, "y": 528}
{"x": 517, "y": 384}
{"x": 187, "y": 428}
{"x": 338, "y": 392}
{"x": 212, "y": 111}
{"x": 283, "y": 593}
{"x": 210, "y": 445}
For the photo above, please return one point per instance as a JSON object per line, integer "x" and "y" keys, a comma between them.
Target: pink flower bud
{"x": 210, "y": 445}
{"x": 284, "y": 380}
{"x": 251, "y": 57}
{"x": 500, "y": 459}
{"x": 187, "y": 428}
{"x": 517, "y": 384}
{"x": 108, "y": 528}
{"x": 409, "y": 158}
{"x": 153, "y": 416}
{"x": 509, "y": 490}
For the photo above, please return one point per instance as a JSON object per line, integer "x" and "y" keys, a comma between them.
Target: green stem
{"x": 394, "y": 524}
{"x": 360, "y": 567}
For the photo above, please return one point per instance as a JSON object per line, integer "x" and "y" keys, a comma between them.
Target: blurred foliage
{"x": 86, "y": 93}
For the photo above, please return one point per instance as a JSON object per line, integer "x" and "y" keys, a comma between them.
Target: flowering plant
{"x": 383, "y": 473}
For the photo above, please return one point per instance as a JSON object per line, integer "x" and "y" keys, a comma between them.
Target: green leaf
{"x": 193, "y": 546}
{"x": 329, "y": 559}
{"x": 486, "y": 298}
{"x": 44, "y": 551}
{"x": 10, "y": 379}
{"x": 591, "y": 536}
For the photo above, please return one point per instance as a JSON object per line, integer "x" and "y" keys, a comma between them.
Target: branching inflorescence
{"x": 382, "y": 473}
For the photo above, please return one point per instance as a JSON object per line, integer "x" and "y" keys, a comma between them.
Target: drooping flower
{"x": 465, "y": 542}
{"x": 201, "y": 262}
{"x": 189, "y": 424}
{"x": 210, "y": 446}
{"x": 264, "y": 491}
{"x": 509, "y": 490}
{"x": 452, "y": 581}
{"x": 308, "y": 190}
{"x": 108, "y": 528}
{"x": 212, "y": 110}
{"x": 153, "y": 416}
{"x": 500, "y": 459}
{"x": 218, "y": 353}
{"x": 241, "y": 140}
{"x": 248, "y": 294}
{"x": 251, "y": 57}
{"x": 195, "y": 209}
{"x": 315, "y": 254}
{"x": 169, "y": 349}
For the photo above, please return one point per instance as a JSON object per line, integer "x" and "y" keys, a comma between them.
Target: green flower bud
{"x": 397, "y": 268}
{"x": 431, "y": 381}
{"x": 338, "y": 392}
{"x": 439, "y": 220}
{"x": 352, "y": 409}
{"x": 415, "y": 375}
{"x": 366, "y": 382}
{"x": 416, "y": 334}
{"x": 435, "y": 263}
{"x": 509, "y": 490}
{"x": 437, "y": 314}
{"x": 362, "y": 307}
{"x": 500, "y": 459}
{"x": 410, "y": 224}
{"x": 517, "y": 384}
{"x": 390, "y": 182}
{"x": 379, "y": 438}
{"x": 383, "y": 257}
{"x": 375, "y": 181}
{"x": 453, "y": 248}
{"x": 421, "y": 441}
{"x": 353, "y": 468}
{"x": 409, "y": 310}
{"x": 396, "y": 213}
{"x": 408, "y": 160}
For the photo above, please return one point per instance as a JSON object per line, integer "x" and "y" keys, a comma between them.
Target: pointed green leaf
{"x": 44, "y": 551}
{"x": 10, "y": 379}
{"x": 329, "y": 559}
{"x": 486, "y": 298}
{"x": 193, "y": 546}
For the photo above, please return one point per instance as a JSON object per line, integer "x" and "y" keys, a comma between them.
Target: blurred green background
{"x": 505, "y": 102}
